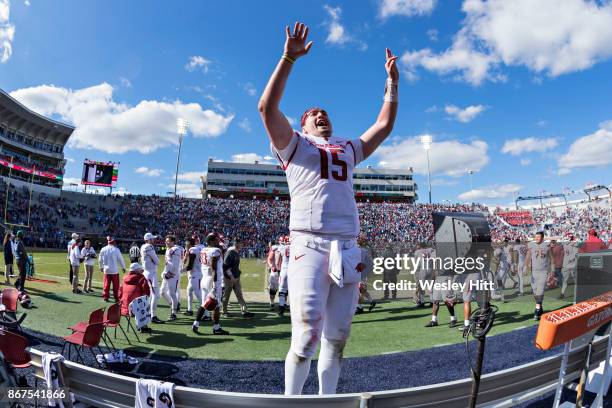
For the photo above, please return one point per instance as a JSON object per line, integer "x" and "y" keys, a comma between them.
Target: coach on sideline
{"x": 75, "y": 236}
{"x": 110, "y": 260}
{"x": 231, "y": 277}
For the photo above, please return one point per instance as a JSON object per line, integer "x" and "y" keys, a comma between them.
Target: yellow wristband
{"x": 288, "y": 58}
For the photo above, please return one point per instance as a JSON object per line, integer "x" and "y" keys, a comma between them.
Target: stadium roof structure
{"x": 18, "y": 117}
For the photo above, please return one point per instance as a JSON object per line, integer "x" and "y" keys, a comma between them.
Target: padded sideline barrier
{"x": 499, "y": 389}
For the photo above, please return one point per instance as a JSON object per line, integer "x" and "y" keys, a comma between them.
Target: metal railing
{"x": 504, "y": 388}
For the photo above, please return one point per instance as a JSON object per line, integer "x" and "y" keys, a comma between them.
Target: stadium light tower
{"x": 471, "y": 173}
{"x": 426, "y": 141}
{"x": 182, "y": 127}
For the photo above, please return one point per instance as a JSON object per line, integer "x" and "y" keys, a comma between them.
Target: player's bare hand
{"x": 295, "y": 43}
{"x": 391, "y": 65}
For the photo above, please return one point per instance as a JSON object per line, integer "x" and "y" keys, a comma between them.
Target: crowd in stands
{"x": 256, "y": 222}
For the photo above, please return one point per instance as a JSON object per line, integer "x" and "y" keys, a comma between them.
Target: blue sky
{"x": 517, "y": 91}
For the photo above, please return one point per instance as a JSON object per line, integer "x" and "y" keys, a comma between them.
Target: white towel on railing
{"x": 153, "y": 393}
{"x": 49, "y": 365}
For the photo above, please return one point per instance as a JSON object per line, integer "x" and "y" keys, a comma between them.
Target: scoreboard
{"x": 96, "y": 173}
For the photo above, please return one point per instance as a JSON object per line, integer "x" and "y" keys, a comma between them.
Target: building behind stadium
{"x": 260, "y": 180}
{"x": 31, "y": 147}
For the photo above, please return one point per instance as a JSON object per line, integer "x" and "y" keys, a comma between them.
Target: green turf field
{"x": 391, "y": 327}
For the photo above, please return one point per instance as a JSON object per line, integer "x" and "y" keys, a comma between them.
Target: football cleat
{"x": 281, "y": 310}
{"x": 452, "y": 323}
{"x": 188, "y": 313}
{"x": 247, "y": 314}
{"x": 359, "y": 310}
{"x": 156, "y": 320}
{"x": 172, "y": 318}
{"x": 372, "y": 305}
{"x": 431, "y": 324}
{"x": 194, "y": 329}
{"x": 220, "y": 331}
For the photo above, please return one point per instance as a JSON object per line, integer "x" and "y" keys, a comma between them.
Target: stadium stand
{"x": 256, "y": 222}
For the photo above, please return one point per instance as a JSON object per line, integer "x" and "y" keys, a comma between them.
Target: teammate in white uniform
{"x": 283, "y": 283}
{"x": 324, "y": 222}
{"x": 569, "y": 263}
{"x": 273, "y": 276}
{"x": 211, "y": 261}
{"x": 171, "y": 274}
{"x": 194, "y": 273}
{"x": 423, "y": 274}
{"x": 538, "y": 257}
{"x": 520, "y": 248}
{"x": 149, "y": 263}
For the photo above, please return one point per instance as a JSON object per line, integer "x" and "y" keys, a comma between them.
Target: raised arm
{"x": 276, "y": 124}
{"x": 378, "y": 132}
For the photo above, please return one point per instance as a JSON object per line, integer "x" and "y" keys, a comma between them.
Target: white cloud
{"x": 490, "y": 192}
{"x": 251, "y": 158}
{"x": 548, "y": 37}
{"x": 187, "y": 190}
{"x": 27, "y": 2}
{"x": 245, "y": 125}
{"x": 541, "y": 123}
{"x": 192, "y": 176}
{"x": 516, "y": 147}
{"x": 448, "y": 157}
{"x": 405, "y": 7}
{"x": 125, "y": 82}
{"x": 443, "y": 182}
{"x": 525, "y": 162}
{"x": 337, "y": 33}
{"x": 114, "y": 127}
{"x": 464, "y": 115}
{"x": 591, "y": 150}
{"x": 69, "y": 159}
{"x": 196, "y": 62}
{"x": 145, "y": 171}
{"x": 250, "y": 89}
{"x": 431, "y": 109}
{"x": 7, "y": 31}
{"x": 432, "y": 34}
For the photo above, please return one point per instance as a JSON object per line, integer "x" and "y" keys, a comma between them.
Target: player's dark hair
{"x": 518, "y": 240}
{"x": 171, "y": 238}
{"x": 540, "y": 233}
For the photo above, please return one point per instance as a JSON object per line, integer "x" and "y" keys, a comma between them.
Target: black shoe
{"x": 194, "y": 329}
{"x": 106, "y": 300}
{"x": 155, "y": 320}
{"x": 78, "y": 291}
{"x": 561, "y": 296}
{"x": 538, "y": 314}
{"x": 247, "y": 315}
{"x": 188, "y": 313}
{"x": 372, "y": 305}
{"x": 420, "y": 305}
{"x": 359, "y": 310}
{"x": 145, "y": 330}
{"x": 453, "y": 323}
{"x": 171, "y": 318}
{"x": 178, "y": 308}
{"x": 431, "y": 324}
{"x": 271, "y": 308}
{"x": 281, "y": 310}
{"x": 220, "y": 331}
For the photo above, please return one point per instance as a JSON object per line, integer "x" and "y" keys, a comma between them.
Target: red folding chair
{"x": 88, "y": 339}
{"x": 113, "y": 319}
{"x": 13, "y": 346}
{"x": 8, "y": 318}
{"x": 128, "y": 319}
{"x": 97, "y": 316}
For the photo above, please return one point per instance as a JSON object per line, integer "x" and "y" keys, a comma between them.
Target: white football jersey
{"x": 196, "y": 271}
{"x": 569, "y": 256}
{"x": 320, "y": 178}
{"x": 284, "y": 253}
{"x": 174, "y": 256}
{"x": 149, "y": 257}
{"x": 424, "y": 253}
{"x": 206, "y": 256}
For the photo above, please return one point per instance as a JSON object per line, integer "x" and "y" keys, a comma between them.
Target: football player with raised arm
{"x": 323, "y": 277}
